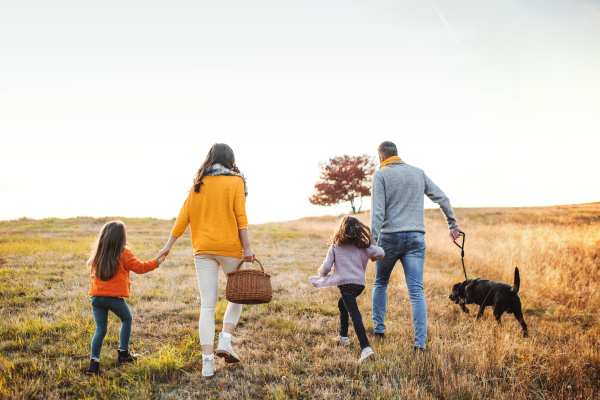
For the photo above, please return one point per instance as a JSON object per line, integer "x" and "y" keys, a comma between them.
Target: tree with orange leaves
{"x": 342, "y": 179}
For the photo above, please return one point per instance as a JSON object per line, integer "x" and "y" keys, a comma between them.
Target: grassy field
{"x": 47, "y": 324}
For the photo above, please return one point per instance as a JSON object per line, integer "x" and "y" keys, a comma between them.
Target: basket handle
{"x": 257, "y": 260}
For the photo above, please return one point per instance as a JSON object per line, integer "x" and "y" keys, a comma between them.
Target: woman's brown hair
{"x": 220, "y": 153}
{"x": 107, "y": 249}
{"x": 352, "y": 231}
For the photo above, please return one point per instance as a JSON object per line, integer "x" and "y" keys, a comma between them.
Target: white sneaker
{"x": 342, "y": 340}
{"x": 208, "y": 366}
{"x": 366, "y": 354}
{"x": 225, "y": 350}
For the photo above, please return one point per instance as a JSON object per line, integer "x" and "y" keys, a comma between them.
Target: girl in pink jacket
{"x": 345, "y": 265}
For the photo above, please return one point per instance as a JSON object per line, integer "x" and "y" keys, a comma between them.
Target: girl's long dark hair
{"x": 107, "y": 250}
{"x": 220, "y": 153}
{"x": 352, "y": 231}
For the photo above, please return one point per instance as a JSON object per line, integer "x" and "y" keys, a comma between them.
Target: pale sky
{"x": 108, "y": 109}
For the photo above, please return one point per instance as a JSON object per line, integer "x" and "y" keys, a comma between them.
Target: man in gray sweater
{"x": 398, "y": 226}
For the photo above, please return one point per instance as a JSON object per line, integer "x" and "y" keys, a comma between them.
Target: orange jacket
{"x": 118, "y": 285}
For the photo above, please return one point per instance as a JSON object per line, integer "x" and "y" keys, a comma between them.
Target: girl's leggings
{"x": 101, "y": 305}
{"x": 347, "y": 305}
{"x": 207, "y": 269}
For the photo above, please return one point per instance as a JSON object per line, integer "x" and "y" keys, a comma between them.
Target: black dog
{"x": 502, "y": 297}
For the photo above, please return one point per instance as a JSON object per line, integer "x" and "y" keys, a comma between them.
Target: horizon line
{"x": 26, "y": 218}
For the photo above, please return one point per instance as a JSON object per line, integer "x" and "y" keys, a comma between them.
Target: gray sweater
{"x": 398, "y": 201}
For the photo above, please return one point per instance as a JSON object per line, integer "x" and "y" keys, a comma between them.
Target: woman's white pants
{"x": 207, "y": 270}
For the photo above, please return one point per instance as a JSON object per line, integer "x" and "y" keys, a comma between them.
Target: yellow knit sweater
{"x": 215, "y": 214}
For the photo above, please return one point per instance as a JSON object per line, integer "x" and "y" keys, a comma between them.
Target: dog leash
{"x": 462, "y": 253}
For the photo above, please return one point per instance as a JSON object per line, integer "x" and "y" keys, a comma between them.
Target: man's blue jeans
{"x": 409, "y": 248}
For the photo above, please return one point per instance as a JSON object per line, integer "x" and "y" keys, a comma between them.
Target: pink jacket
{"x": 345, "y": 264}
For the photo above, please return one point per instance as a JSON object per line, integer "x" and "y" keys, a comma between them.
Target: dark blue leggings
{"x": 101, "y": 305}
{"x": 347, "y": 305}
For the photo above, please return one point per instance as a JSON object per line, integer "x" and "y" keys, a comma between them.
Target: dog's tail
{"x": 517, "y": 283}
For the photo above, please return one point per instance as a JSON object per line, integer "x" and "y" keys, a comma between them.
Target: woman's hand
{"x": 161, "y": 258}
{"x": 165, "y": 251}
{"x": 376, "y": 258}
{"x": 249, "y": 255}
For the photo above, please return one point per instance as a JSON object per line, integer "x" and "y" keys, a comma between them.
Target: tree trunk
{"x": 352, "y": 205}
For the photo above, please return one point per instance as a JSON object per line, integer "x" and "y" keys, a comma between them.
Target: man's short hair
{"x": 387, "y": 149}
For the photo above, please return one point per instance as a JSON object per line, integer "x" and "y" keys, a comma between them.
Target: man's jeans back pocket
{"x": 416, "y": 245}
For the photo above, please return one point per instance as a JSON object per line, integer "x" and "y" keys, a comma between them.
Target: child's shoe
{"x": 125, "y": 356}
{"x": 94, "y": 368}
{"x": 208, "y": 366}
{"x": 366, "y": 354}
{"x": 225, "y": 350}
{"x": 342, "y": 340}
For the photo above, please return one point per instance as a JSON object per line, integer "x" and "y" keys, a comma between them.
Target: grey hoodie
{"x": 397, "y": 200}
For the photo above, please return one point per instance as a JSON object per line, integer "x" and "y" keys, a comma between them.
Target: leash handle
{"x": 462, "y": 252}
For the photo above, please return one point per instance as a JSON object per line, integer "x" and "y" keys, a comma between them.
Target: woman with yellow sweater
{"x": 216, "y": 211}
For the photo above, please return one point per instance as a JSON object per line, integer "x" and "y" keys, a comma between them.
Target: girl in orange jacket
{"x": 110, "y": 263}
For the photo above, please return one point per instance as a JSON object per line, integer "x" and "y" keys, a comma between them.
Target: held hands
{"x": 375, "y": 258}
{"x": 455, "y": 233}
{"x": 163, "y": 253}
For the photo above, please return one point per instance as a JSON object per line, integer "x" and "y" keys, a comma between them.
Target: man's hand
{"x": 455, "y": 233}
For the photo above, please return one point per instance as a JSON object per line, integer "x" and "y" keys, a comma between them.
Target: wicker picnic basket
{"x": 249, "y": 286}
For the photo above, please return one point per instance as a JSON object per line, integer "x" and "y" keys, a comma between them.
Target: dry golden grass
{"x": 47, "y": 324}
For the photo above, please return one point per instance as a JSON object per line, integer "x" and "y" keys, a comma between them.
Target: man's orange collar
{"x": 390, "y": 160}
